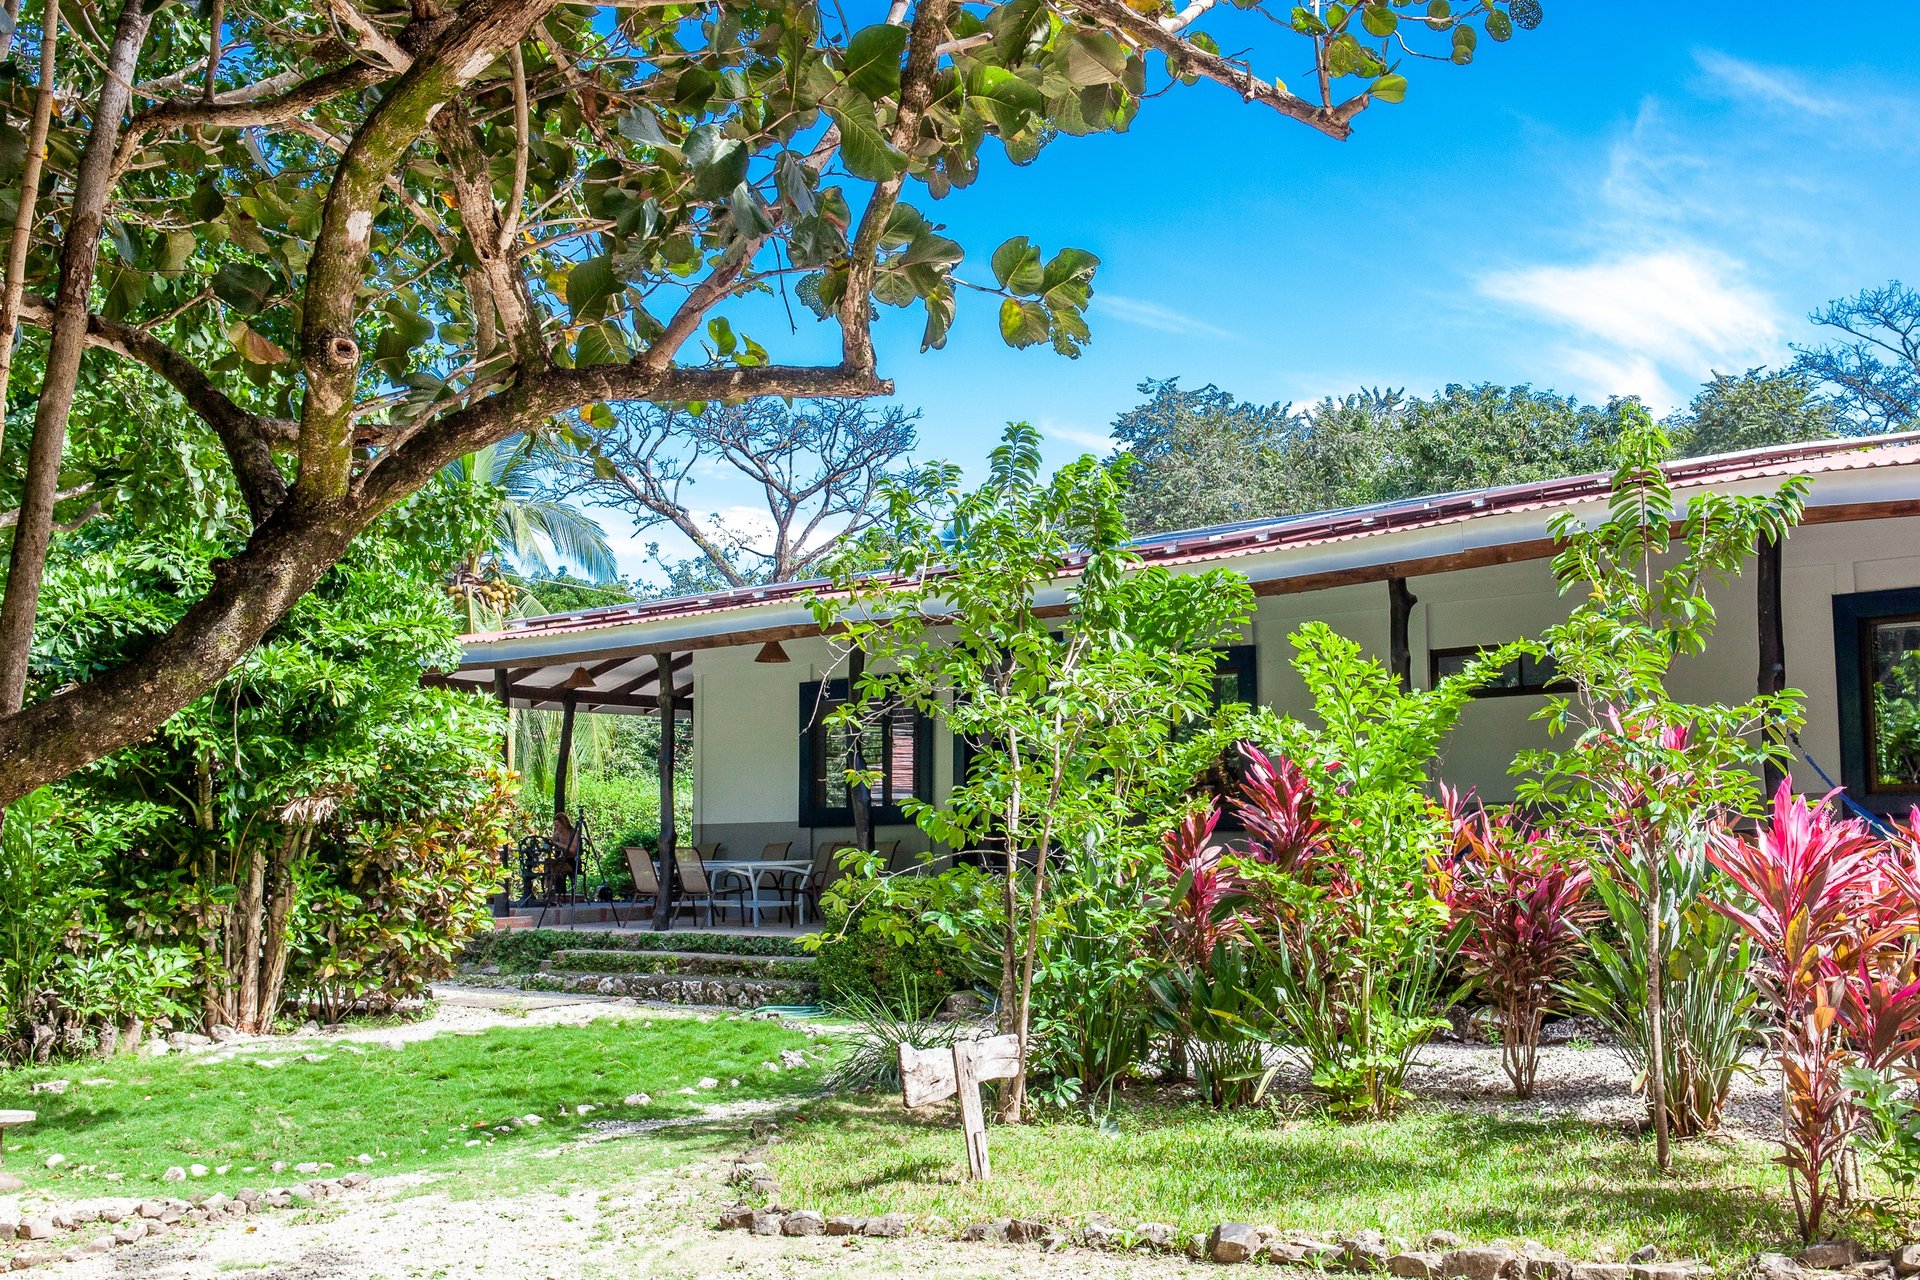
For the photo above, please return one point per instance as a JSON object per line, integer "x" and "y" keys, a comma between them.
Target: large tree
{"x": 820, "y": 468}
{"x": 1752, "y": 409}
{"x": 362, "y": 239}
{"x": 1873, "y": 371}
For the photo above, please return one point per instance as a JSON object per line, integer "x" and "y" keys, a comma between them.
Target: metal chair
{"x": 646, "y": 880}
{"x": 807, "y": 887}
{"x": 691, "y": 886}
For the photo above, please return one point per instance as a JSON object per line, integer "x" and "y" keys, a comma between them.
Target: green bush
{"x": 905, "y": 940}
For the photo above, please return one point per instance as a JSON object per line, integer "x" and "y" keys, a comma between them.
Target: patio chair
{"x": 898, "y": 862}
{"x": 646, "y": 879}
{"x": 693, "y": 888}
{"x": 808, "y": 886}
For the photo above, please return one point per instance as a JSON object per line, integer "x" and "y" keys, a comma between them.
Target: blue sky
{"x": 1621, "y": 201}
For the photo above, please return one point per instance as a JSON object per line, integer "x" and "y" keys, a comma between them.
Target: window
{"x": 1877, "y": 652}
{"x": 896, "y": 741}
{"x": 1236, "y": 678}
{"x": 1525, "y": 675}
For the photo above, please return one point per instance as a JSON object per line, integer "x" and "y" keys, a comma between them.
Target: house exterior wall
{"x": 747, "y": 729}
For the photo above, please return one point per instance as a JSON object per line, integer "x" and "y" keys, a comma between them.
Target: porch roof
{"x": 1862, "y": 478}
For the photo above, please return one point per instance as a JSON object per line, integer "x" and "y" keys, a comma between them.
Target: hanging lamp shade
{"x": 771, "y": 652}
{"x": 580, "y": 679}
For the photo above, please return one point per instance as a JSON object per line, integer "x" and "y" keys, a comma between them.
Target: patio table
{"x": 754, "y": 871}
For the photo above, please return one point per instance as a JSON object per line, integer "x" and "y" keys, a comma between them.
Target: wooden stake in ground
{"x": 930, "y": 1075}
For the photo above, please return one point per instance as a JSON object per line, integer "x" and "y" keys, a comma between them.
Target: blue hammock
{"x": 1868, "y": 816}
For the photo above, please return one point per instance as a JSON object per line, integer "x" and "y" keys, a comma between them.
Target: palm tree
{"x": 527, "y": 523}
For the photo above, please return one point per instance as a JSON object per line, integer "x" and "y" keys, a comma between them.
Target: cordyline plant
{"x": 1520, "y": 906}
{"x": 359, "y": 239}
{"x": 1832, "y": 911}
{"x": 1645, "y": 778}
{"x": 1018, "y": 616}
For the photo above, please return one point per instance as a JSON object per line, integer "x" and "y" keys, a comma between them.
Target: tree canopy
{"x": 1873, "y": 372}
{"x": 360, "y": 240}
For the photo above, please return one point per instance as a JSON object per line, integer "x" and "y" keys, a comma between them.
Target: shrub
{"x": 1519, "y": 904}
{"x": 904, "y": 938}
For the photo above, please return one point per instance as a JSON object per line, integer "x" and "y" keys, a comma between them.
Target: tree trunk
{"x": 1656, "y": 1020}
{"x": 29, "y": 197}
{"x": 79, "y": 256}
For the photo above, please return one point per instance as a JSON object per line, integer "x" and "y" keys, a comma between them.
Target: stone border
{"x": 134, "y": 1221}
{"x": 1441, "y": 1256}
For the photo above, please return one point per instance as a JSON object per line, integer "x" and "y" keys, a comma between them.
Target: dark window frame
{"x": 813, "y": 711}
{"x": 1855, "y": 615}
{"x": 1551, "y": 685}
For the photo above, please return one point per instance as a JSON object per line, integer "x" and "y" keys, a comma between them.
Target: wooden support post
{"x": 860, "y": 796}
{"x": 568, "y": 707}
{"x": 930, "y": 1075}
{"x": 669, "y": 837}
{"x": 1773, "y": 642}
{"x": 1400, "y": 602}
{"x": 503, "y": 690}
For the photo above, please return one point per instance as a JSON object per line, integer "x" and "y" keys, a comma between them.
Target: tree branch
{"x": 373, "y": 40}
{"x": 247, "y": 437}
{"x": 1146, "y": 32}
{"x": 238, "y": 112}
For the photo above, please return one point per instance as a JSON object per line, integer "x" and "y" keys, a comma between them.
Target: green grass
{"x": 1567, "y": 1184}
{"x": 413, "y": 1107}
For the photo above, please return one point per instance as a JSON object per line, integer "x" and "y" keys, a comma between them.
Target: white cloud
{"x": 1642, "y": 323}
{"x": 1769, "y": 85}
{"x": 1151, "y": 315}
{"x": 1093, "y": 439}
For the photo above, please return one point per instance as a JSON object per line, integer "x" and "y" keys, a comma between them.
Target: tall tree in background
{"x": 362, "y": 242}
{"x": 820, "y": 467}
{"x": 1200, "y": 456}
{"x": 1753, "y": 409}
{"x": 1873, "y": 374}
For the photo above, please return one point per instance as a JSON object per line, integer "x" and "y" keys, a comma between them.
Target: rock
{"x": 1101, "y": 1234}
{"x": 637, "y": 1100}
{"x": 766, "y": 1222}
{"x": 843, "y": 1226}
{"x": 1873, "y": 1269}
{"x": 1365, "y": 1251}
{"x": 735, "y": 1217}
{"x": 1156, "y": 1235}
{"x": 354, "y": 1181}
{"x": 1906, "y": 1259}
{"x": 1482, "y": 1262}
{"x": 885, "y": 1227}
{"x": 198, "y": 1170}
{"x": 994, "y": 1232}
{"x": 1234, "y": 1242}
{"x": 1537, "y": 1262}
{"x": 187, "y": 1039}
{"x": 803, "y": 1223}
{"x": 64, "y": 1221}
{"x": 1417, "y": 1266}
{"x": 35, "y": 1229}
{"x": 1829, "y": 1255}
{"x": 792, "y": 1059}
{"x": 50, "y": 1086}
{"x": 1601, "y": 1271}
{"x": 1645, "y": 1253}
{"x": 1026, "y": 1230}
{"x": 131, "y": 1231}
{"x": 531, "y": 1121}
{"x": 307, "y": 1166}
{"x": 1442, "y": 1241}
{"x": 708, "y": 1082}
{"x": 763, "y": 1185}
{"x": 220, "y": 1033}
{"x": 584, "y": 1109}
{"x": 154, "y": 1049}
{"x": 216, "y": 1203}
{"x": 174, "y": 1174}
{"x": 364, "y": 1158}
{"x": 151, "y": 1208}
{"x": 1663, "y": 1271}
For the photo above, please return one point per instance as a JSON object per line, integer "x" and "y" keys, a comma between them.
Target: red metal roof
{"x": 1222, "y": 542}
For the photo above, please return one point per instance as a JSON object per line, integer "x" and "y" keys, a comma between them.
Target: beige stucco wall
{"x": 746, "y": 725}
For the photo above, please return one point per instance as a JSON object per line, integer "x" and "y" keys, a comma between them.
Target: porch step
{"x": 736, "y": 991}
{"x": 700, "y": 964}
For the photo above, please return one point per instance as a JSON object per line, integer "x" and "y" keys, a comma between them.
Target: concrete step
{"x": 737, "y": 992}
{"x": 705, "y": 964}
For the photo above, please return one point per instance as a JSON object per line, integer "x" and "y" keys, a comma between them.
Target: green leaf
{"x": 641, "y": 125}
{"x": 693, "y": 88}
{"x": 1307, "y": 22}
{"x": 1023, "y": 324}
{"x": 751, "y": 217}
{"x": 1003, "y": 97}
{"x": 1499, "y": 25}
{"x": 206, "y": 204}
{"x": 939, "y": 320}
{"x": 600, "y": 344}
{"x": 243, "y": 286}
{"x": 1068, "y": 281}
{"x": 719, "y": 162}
{"x": 1379, "y": 20}
{"x": 795, "y": 183}
{"x": 815, "y": 242}
{"x": 724, "y": 339}
{"x": 590, "y": 284}
{"x": 1094, "y": 57}
{"x": 1390, "y": 88}
{"x": 873, "y": 60}
{"x": 863, "y": 148}
{"x": 1463, "y": 44}
{"x": 1016, "y": 265}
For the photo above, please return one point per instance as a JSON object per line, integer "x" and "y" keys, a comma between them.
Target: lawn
{"x": 1567, "y": 1184}
{"x": 447, "y": 1103}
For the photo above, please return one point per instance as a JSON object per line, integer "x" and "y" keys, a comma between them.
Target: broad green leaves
{"x": 873, "y": 60}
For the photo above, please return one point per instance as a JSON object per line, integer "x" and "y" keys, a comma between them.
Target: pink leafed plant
{"x": 1275, "y": 805}
{"x": 1520, "y": 905}
{"x": 1203, "y": 883}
